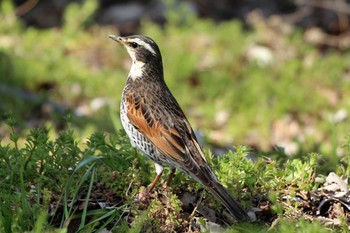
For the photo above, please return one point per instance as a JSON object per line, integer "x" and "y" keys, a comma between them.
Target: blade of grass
{"x": 111, "y": 214}
{"x": 76, "y": 190}
{"x": 109, "y": 163}
{"x": 5, "y": 218}
{"x": 83, "y": 163}
{"x": 56, "y": 208}
{"x": 27, "y": 210}
{"x": 69, "y": 183}
{"x": 41, "y": 221}
{"x": 83, "y": 217}
{"x": 86, "y": 161}
{"x": 111, "y": 218}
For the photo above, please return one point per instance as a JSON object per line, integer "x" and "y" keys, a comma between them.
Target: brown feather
{"x": 166, "y": 140}
{"x": 156, "y": 124}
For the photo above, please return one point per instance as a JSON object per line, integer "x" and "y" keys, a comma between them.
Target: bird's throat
{"x": 136, "y": 70}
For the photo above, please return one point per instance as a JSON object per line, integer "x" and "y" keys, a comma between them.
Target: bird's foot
{"x": 143, "y": 198}
{"x": 166, "y": 187}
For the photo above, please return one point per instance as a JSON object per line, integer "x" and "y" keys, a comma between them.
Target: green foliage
{"x": 36, "y": 173}
{"x": 343, "y": 168}
{"x": 209, "y": 72}
{"x": 30, "y": 173}
{"x": 164, "y": 215}
{"x": 301, "y": 226}
{"x": 240, "y": 170}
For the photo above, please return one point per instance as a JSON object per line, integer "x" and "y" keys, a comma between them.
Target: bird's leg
{"x": 154, "y": 182}
{"x": 170, "y": 178}
{"x": 159, "y": 171}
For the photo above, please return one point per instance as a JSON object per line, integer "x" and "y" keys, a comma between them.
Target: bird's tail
{"x": 225, "y": 198}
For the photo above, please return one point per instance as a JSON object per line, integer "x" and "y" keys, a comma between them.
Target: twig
{"x": 194, "y": 210}
{"x": 26, "y": 7}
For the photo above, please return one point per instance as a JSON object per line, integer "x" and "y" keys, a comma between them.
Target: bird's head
{"x": 140, "y": 48}
{"x": 145, "y": 55}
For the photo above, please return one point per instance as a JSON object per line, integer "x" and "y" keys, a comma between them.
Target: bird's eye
{"x": 134, "y": 45}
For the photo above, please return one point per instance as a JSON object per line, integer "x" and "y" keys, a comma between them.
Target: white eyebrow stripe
{"x": 144, "y": 44}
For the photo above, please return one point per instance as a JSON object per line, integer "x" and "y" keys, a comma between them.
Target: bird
{"x": 157, "y": 126}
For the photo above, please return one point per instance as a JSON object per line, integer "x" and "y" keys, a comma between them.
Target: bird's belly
{"x": 137, "y": 139}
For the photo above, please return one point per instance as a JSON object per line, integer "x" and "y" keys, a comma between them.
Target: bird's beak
{"x": 117, "y": 38}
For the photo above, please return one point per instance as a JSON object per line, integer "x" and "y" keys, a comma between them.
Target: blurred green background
{"x": 258, "y": 78}
{"x": 272, "y": 75}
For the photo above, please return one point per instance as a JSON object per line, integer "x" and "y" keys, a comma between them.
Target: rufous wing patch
{"x": 177, "y": 143}
{"x": 164, "y": 138}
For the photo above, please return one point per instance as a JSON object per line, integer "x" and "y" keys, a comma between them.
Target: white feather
{"x": 137, "y": 66}
{"x": 136, "y": 69}
{"x": 159, "y": 169}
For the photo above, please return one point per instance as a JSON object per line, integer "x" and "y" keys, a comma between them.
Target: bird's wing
{"x": 176, "y": 141}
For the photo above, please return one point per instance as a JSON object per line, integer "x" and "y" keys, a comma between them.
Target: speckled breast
{"x": 137, "y": 139}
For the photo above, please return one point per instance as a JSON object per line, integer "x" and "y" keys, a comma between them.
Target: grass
{"x": 60, "y": 152}
{"x": 74, "y": 183}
